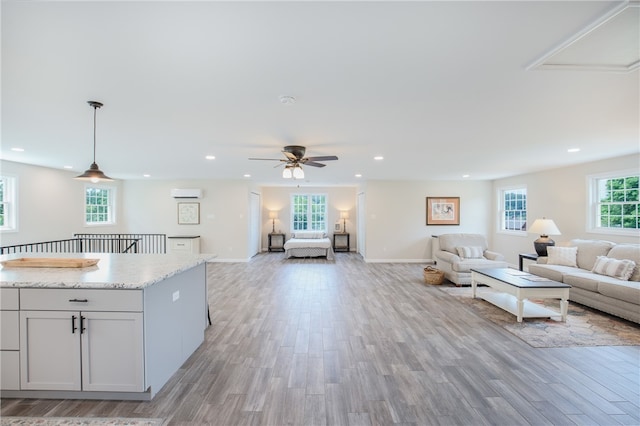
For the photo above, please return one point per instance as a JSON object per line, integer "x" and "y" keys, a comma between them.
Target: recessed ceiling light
{"x": 247, "y": 175}
{"x": 287, "y": 100}
{"x": 379, "y": 157}
{"x": 465, "y": 176}
{"x": 210, "y": 157}
{"x": 358, "y": 175}
{"x": 16, "y": 149}
{"x": 146, "y": 175}
{"x": 68, "y": 167}
{"x": 573, "y": 150}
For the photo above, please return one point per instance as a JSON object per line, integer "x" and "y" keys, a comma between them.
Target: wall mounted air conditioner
{"x": 186, "y": 193}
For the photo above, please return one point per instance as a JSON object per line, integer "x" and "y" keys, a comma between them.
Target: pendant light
{"x": 93, "y": 173}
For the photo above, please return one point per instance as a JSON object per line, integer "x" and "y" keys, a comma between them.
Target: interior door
{"x": 254, "y": 225}
{"x": 361, "y": 223}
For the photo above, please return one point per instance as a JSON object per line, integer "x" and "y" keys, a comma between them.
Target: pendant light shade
{"x": 93, "y": 173}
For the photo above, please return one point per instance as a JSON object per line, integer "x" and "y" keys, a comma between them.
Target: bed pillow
{"x": 314, "y": 235}
{"x": 473, "y": 252}
{"x": 621, "y": 269}
{"x": 565, "y": 256}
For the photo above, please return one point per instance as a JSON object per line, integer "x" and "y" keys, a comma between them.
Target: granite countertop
{"x": 118, "y": 271}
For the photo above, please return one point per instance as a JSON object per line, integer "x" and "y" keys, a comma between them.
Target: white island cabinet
{"x": 118, "y": 330}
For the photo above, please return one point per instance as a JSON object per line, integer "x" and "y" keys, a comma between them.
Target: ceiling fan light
{"x": 287, "y": 173}
{"x": 298, "y": 173}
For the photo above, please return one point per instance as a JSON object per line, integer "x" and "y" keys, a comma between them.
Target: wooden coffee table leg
{"x": 564, "y": 308}
{"x": 520, "y": 309}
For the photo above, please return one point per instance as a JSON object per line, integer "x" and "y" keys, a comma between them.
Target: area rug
{"x": 79, "y": 421}
{"x": 584, "y": 326}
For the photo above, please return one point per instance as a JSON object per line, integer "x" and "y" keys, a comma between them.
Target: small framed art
{"x": 443, "y": 210}
{"x": 188, "y": 213}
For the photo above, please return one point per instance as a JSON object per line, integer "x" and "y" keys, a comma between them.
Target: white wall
{"x": 560, "y": 195}
{"x": 50, "y": 205}
{"x": 224, "y": 213}
{"x": 396, "y": 229}
{"x": 278, "y": 199}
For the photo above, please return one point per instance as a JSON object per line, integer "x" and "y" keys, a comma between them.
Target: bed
{"x": 309, "y": 244}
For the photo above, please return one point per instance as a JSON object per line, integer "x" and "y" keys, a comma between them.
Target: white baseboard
{"x": 425, "y": 261}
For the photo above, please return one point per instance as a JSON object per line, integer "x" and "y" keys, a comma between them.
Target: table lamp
{"x": 273, "y": 215}
{"x": 544, "y": 227}
{"x": 344, "y": 215}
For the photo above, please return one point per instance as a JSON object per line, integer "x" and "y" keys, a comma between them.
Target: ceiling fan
{"x": 295, "y": 158}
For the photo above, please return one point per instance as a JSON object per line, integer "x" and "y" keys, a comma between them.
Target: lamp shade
{"x": 287, "y": 173}
{"x": 344, "y": 214}
{"x": 273, "y": 214}
{"x": 298, "y": 173}
{"x": 544, "y": 227}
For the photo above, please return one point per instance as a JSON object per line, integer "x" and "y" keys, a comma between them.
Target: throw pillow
{"x": 621, "y": 269}
{"x": 565, "y": 256}
{"x": 474, "y": 252}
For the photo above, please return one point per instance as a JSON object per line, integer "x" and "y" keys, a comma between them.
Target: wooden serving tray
{"x": 49, "y": 262}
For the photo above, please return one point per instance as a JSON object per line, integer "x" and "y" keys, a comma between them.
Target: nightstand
{"x": 341, "y": 241}
{"x": 276, "y": 242}
{"x": 530, "y": 256}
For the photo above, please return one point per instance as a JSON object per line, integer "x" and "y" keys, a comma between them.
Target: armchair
{"x": 456, "y": 254}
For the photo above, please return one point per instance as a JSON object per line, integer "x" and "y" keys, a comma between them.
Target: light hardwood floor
{"x": 306, "y": 341}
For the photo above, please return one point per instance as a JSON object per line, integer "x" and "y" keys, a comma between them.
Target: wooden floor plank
{"x": 311, "y": 341}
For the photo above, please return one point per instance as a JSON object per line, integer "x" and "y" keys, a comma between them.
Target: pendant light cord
{"x": 95, "y": 109}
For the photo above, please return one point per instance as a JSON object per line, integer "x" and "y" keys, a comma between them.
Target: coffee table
{"x": 515, "y": 287}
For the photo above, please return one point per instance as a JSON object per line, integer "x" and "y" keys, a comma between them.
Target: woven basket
{"x": 433, "y": 276}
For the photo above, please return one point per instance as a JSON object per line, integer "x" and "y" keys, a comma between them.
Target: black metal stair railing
{"x": 95, "y": 243}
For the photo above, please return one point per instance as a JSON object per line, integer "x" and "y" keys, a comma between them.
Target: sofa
{"x": 456, "y": 254}
{"x": 603, "y": 275}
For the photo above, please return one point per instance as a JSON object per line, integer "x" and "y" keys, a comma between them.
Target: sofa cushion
{"x": 466, "y": 265}
{"x": 588, "y": 250}
{"x": 473, "y": 252}
{"x": 616, "y": 268}
{"x": 583, "y": 279}
{"x": 553, "y": 272}
{"x": 565, "y": 256}
{"x": 628, "y": 291}
{"x": 449, "y": 242}
{"x": 628, "y": 251}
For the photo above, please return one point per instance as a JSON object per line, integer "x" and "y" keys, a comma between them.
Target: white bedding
{"x": 309, "y": 247}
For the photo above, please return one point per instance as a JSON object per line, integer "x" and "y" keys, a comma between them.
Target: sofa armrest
{"x": 542, "y": 259}
{"x": 492, "y": 255}
{"x": 447, "y": 256}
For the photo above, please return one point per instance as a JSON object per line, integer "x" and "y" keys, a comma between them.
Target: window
{"x": 8, "y": 204}
{"x": 309, "y": 212}
{"x": 99, "y": 205}
{"x": 615, "y": 203}
{"x": 513, "y": 209}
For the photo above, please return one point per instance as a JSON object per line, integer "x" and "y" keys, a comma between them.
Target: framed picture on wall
{"x": 443, "y": 210}
{"x": 188, "y": 213}
{"x": 337, "y": 227}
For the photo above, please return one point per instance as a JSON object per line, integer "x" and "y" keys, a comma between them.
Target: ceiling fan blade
{"x": 322, "y": 158}
{"x": 313, "y": 164}
{"x": 290, "y": 156}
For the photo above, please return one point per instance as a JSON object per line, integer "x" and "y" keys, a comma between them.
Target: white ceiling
{"x": 440, "y": 89}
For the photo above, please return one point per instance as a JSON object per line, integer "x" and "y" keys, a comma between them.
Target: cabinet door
{"x": 49, "y": 350}
{"x": 112, "y": 352}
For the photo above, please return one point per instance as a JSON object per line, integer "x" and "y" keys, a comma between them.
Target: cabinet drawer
{"x": 9, "y": 298}
{"x": 180, "y": 245}
{"x": 80, "y": 300}
{"x": 10, "y": 330}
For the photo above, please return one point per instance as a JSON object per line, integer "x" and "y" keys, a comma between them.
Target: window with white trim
{"x": 615, "y": 203}
{"x": 309, "y": 212}
{"x": 99, "y": 205}
{"x": 513, "y": 209}
{"x": 8, "y": 203}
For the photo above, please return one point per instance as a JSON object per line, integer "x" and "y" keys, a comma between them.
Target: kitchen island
{"x": 116, "y": 330}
